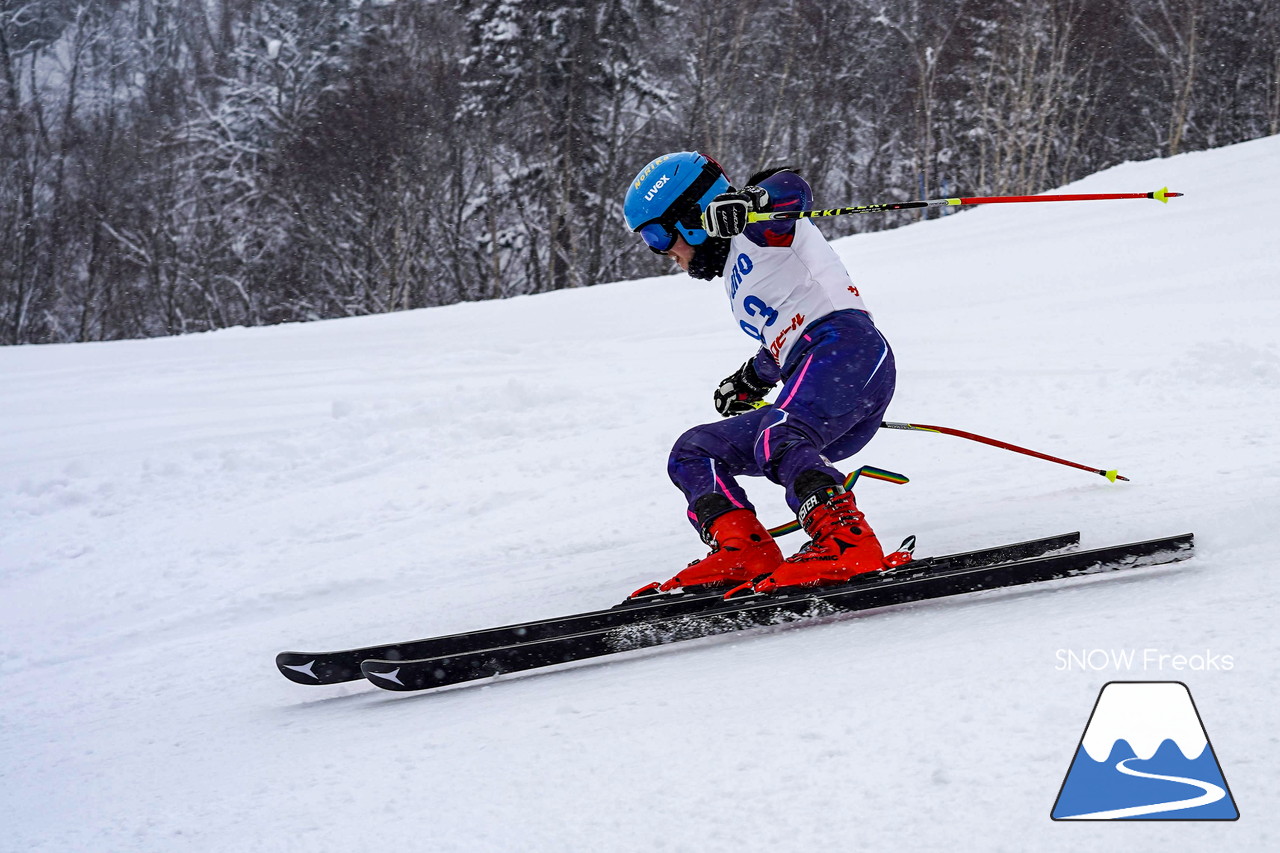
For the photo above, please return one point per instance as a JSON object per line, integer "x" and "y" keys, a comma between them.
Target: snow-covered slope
{"x": 173, "y": 512}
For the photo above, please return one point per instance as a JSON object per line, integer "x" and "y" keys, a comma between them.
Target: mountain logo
{"x": 1145, "y": 755}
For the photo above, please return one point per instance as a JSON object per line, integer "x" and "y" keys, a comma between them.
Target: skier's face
{"x": 682, "y": 253}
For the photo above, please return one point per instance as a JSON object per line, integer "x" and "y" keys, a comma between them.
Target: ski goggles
{"x": 660, "y": 234}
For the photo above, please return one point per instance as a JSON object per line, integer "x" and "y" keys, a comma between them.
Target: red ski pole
{"x": 994, "y": 442}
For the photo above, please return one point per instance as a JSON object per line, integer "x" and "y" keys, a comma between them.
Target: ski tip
{"x": 298, "y": 667}
{"x": 388, "y": 679}
{"x": 1163, "y": 195}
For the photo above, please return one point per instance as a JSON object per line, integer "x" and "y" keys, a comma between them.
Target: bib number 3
{"x": 754, "y": 306}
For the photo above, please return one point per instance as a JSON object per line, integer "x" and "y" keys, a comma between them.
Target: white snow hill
{"x": 173, "y": 512}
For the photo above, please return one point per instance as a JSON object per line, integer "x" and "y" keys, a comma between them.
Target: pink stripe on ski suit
{"x": 782, "y": 406}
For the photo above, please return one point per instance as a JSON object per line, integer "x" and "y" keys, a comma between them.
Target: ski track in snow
{"x": 173, "y": 512}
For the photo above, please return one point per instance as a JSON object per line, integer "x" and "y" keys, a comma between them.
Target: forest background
{"x": 173, "y": 166}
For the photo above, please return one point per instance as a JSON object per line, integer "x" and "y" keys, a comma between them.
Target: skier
{"x": 789, "y": 292}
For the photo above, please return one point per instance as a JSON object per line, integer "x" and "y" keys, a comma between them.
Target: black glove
{"x": 726, "y": 216}
{"x": 738, "y": 393}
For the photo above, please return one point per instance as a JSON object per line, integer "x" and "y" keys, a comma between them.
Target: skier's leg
{"x": 706, "y": 459}
{"x": 830, "y": 407}
{"x": 703, "y": 464}
{"x": 834, "y": 398}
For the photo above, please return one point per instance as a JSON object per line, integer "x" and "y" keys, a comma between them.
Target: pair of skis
{"x": 658, "y": 620}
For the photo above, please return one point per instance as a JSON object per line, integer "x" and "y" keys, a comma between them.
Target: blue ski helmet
{"x": 667, "y": 198}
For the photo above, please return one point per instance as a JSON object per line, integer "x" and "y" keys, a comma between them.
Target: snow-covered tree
{"x": 560, "y": 89}
{"x": 177, "y": 165}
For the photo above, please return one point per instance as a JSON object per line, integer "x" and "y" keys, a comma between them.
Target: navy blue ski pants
{"x": 838, "y": 382}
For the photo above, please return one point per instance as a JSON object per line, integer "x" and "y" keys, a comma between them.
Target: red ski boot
{"x": 741, "y": 550}
{"x": 842, "y": 544}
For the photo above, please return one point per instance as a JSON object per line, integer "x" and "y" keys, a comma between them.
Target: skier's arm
{"x": 739, "y": 392}
{"x": 787, "y": 191}
{"x": 772, "y": 190}
{"x": 766, "y": 367}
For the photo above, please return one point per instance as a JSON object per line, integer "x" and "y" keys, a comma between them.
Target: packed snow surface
{"x": 174, "y": 512}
